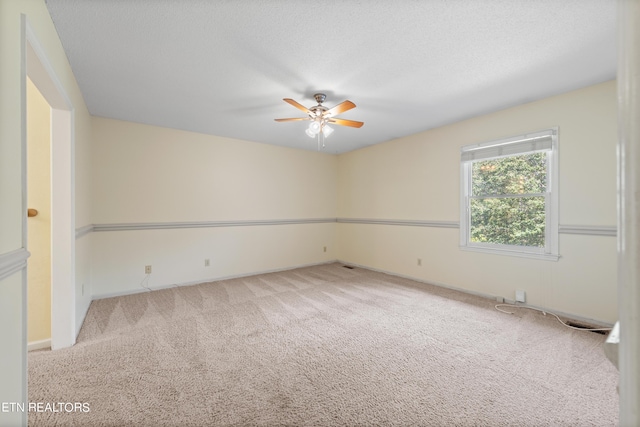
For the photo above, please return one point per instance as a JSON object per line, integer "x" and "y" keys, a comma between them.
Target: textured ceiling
{"x": 223, "y": 67}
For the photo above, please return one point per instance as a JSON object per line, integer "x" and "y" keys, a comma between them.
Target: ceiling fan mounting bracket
{"x": 320, "y": 97}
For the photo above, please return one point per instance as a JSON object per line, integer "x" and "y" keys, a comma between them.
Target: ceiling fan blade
{"x": 343, "y": 122}
{"x": 341, "y": 108}
{"x": 292, "y": 120}
{"x": 297, "y": 105}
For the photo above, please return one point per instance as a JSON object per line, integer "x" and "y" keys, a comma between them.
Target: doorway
{"x": 39, "y": 219}
{"x": 62, "y": 224}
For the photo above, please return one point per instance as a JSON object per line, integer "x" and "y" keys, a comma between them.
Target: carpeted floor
{"x": 323, "y": 346}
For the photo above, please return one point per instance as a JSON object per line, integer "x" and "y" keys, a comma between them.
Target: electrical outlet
{"x": 419, "y": 262}
{"x": 521, "y": 296}
{"x": 147, "y": 269}
{"x": 207, "y": 262}
{"x": 324, "y": 249}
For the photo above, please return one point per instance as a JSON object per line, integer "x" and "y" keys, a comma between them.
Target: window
{"x": 509, "y": 196}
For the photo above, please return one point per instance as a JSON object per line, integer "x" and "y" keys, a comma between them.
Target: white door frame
{"x": 629, "y": 209}
{"x": 63, "y": 298}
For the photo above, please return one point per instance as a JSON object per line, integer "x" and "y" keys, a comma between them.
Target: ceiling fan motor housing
{"x": 318, "y": 111}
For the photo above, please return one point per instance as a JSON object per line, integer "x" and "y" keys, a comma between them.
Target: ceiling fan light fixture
{"x": 314, "y": 127}
{"x": 327, "y": 131}
{"x": 309, "y": 133}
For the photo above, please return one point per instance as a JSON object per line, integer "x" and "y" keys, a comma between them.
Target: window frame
{"x": 490, "y": 148}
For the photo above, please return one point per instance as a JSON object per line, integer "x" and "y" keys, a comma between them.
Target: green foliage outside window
{"x": 517, "y": 215}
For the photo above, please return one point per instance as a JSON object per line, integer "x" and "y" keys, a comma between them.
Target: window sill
{"x": 546, "y": 257}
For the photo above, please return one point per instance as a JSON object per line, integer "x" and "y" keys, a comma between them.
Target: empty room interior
{"x": 314, "y": 213}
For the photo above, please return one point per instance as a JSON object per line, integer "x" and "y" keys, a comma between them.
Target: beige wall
{"x": 418, "y": 178}
{"x": 148, "y": 174}
{"x": 39, "y": 227}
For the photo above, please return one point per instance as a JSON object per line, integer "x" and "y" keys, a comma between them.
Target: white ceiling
{"x": 223, "y": 67}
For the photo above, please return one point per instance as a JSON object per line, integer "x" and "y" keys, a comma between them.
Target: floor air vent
{"x": 349, "y": 267}
{"x": 581, "y": 326}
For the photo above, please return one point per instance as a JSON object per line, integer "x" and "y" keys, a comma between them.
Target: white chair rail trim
{"x": 589, "y": 230}
{"x": 404, "y": 222}
{"x": 12, "y": 262}
{"x": 206, "y": 224}
{"x": 586, "y": 230}
{"x": 83, "y": 231}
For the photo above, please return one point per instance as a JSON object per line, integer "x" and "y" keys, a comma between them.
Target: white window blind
{"x": 496, "y": 149}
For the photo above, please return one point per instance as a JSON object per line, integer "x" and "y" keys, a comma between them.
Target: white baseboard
{"x": 197, "y": 282}
{"x": 39, "y": 345}
{"x": 568, "y": 316}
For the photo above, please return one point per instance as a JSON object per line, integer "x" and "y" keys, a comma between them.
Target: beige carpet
{"x": 323, "y": 346}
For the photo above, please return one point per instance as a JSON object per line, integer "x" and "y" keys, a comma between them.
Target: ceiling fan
{"x": 321, "y": 116}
